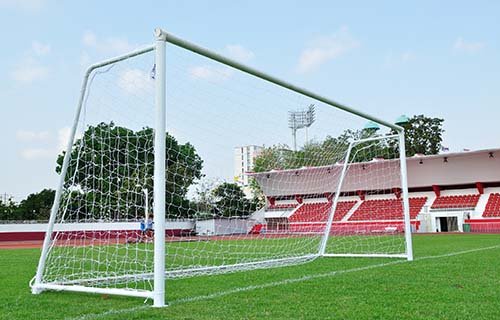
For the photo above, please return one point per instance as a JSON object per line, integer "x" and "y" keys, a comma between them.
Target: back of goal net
{"x": 257, "y": 175}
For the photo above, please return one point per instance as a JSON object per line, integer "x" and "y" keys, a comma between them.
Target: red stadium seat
{"x": 468, "y": 201}
{"x": 387, "y": 209}
{"x": 318, "y": 211}
{"x": 284, "y": 206}
{"x": 493, "y": 206}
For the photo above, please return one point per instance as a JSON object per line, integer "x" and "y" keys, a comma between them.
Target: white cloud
{"x": 135, "y": 81}
{"x": 25, "y": 5}
{"x": 29, "y": 71}
{"x": 219, "y": 73}
{"x": 32, "y": 136}
{"x": 408, "y": 56}
{"x": 85, "y": 59}
{"x": 326, "y": 48}
{"x": 37, "y": 153}
{"x": 461, "y": 45}
{"x": 238, "y": 52}
{"x": 40, "y": 49}
{"x": 63, "y": 136}
{"x": 108, "y": 46}
{"x": 89, "y": 39}
{"x": 48, "y": 146}
{"x": 210, "y": 73}
{"x": 118, "y": 45}
{"x": 392, "y": 59}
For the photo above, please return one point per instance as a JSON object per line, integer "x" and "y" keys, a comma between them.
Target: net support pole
{"x": 406, "y": 202}
{"x": 159, "y": 172}
{"x": 328, "y": 228}
{"x": 55, "y": 206}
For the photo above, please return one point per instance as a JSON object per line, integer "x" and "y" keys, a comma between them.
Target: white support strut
{"x": 406, "y": 201}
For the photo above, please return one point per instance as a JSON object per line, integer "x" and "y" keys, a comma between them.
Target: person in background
{"x": 149, "y": 232}
{"x": 143, "y": 230}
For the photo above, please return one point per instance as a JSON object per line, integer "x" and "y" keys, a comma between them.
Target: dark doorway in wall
{"x": 448, "y": 224}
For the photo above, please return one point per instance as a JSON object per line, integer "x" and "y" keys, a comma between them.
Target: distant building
{"x": 244, "y": 158}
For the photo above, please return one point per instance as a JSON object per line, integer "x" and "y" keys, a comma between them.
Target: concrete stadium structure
{"x": 447, "y": 193}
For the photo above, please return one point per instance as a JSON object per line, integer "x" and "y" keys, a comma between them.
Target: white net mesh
{"x": 98, "y": 240}
{"x": 238, "y": 196}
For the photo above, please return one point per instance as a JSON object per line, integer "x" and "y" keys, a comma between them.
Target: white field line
{"x": 279, "y": 283}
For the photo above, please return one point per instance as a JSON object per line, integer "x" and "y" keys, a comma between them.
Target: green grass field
{"x": 453, "y": 277}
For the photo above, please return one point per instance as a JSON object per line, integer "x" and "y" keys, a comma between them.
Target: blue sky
{"x": 387, "y": 58}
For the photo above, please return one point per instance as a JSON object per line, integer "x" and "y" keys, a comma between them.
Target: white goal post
{"x": 406, "y": 206}
{"x": 114, "y": 160}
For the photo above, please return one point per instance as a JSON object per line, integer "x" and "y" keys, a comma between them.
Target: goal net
{"x": 258, "y": 174}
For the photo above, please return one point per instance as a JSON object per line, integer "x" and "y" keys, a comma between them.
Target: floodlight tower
{"x": 301, "y": 120}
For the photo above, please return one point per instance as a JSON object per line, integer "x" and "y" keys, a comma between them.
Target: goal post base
{"x": 77, "y": 288}
{"x": 364, "y": 255}
{"x": 36, "y": 290}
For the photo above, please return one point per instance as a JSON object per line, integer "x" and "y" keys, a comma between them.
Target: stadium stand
{"x": 282, "y": 206}
{"x": 309, "y": 212}
{"x": 493, "y": 206}
{"x": 256, "y": 229}
{"x": 318, "y": 211}
{"x": 459, "y": 202}
{"x": 387, "y": 209}
{"x": 343, "y": 207}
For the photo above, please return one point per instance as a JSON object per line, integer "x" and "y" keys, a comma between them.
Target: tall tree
{"x": 326, "y": 152}
{"x": 230, "y": 201}
{"x": 8, "y": 211}
{"x": 36, "y": 206}
{"x": 423, "y": 135}
{"x": 111, "y": 165}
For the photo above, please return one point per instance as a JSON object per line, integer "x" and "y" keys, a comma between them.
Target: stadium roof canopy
{"x": 447, "y": 169}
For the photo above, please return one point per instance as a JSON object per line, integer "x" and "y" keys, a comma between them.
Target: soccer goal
{"x": 183, "y": 162}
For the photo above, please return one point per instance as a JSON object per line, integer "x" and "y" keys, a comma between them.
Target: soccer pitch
{"x": 452, "y": 277}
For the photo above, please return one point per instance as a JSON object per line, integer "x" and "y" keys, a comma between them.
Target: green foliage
{"x": 204, "y": 198}
{"x": 423, "y": 135}
{"x": 327, "y": 152}
{"x": 230, "y": 201}
{"x": 8, "y": 211}
{"x": 258, "y": 195}
{"x": 112, "y": 164}
{"x": 35, "y": 207}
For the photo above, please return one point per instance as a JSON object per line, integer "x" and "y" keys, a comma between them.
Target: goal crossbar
{"x": 161, "y": 34}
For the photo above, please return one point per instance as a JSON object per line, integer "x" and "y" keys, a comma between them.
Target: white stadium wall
{"x": 425, "y": 171}
{"x": 462, "y": 168}
{"x": 36, "y": 231}
{"x": 324, "y": 179}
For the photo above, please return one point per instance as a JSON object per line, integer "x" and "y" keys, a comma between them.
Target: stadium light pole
{"x": 300, "y": 120}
